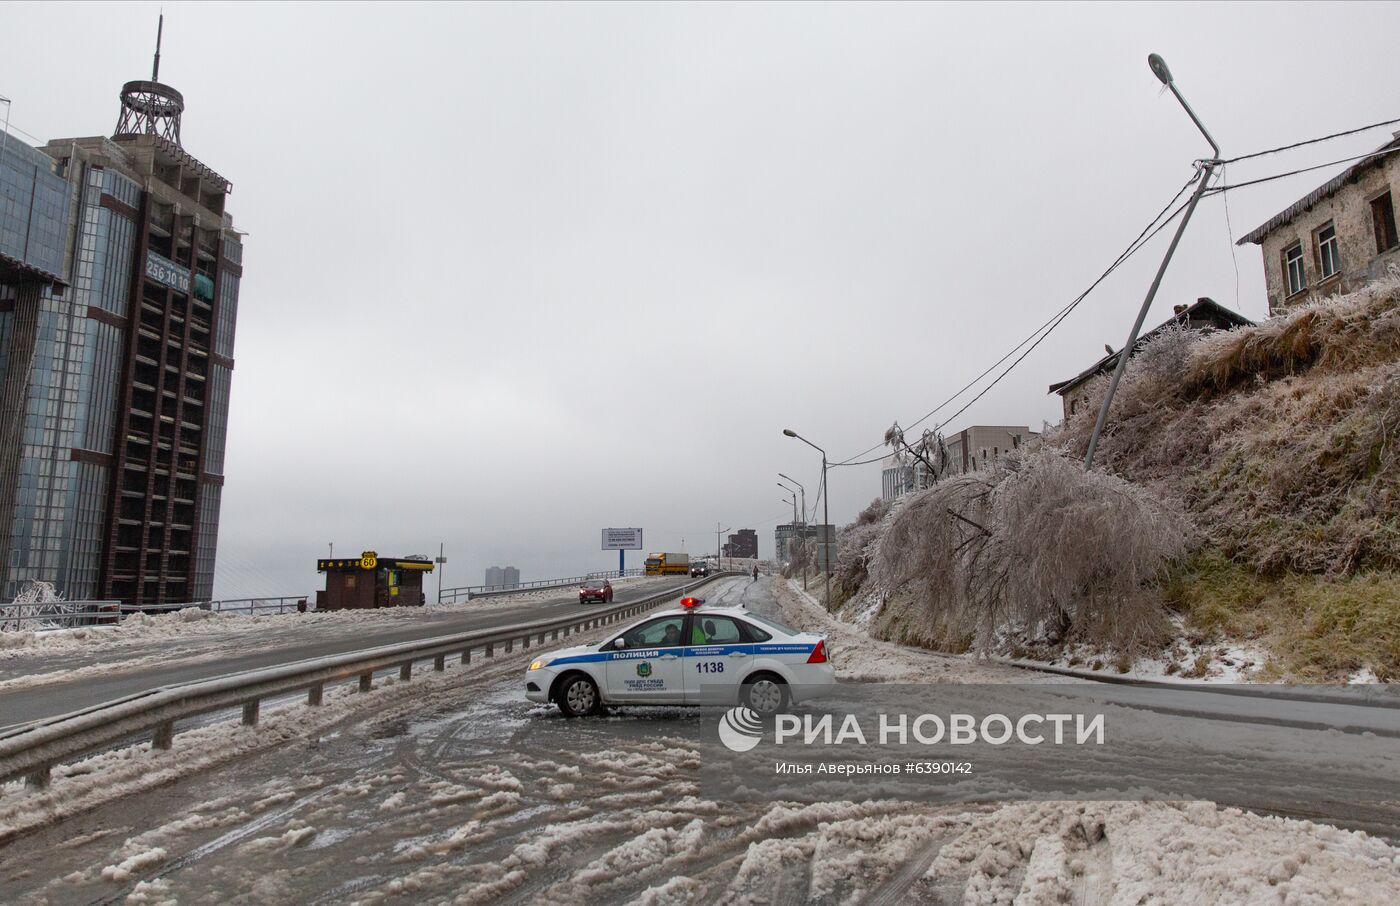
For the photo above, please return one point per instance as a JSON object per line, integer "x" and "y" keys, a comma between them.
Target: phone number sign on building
{"x": 622, "y": 539}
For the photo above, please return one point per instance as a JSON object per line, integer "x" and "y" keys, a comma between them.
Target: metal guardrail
{"x": 31, "y": 750}
{"x": 467, "y": 592}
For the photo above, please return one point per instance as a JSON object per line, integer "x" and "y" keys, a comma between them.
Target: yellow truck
{"x": 668, "y": 565}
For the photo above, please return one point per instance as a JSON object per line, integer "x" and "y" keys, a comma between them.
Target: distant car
{"x": 595, "y": 590}
{"x": 699, "y": 569}
{"x": 732, "y": 656}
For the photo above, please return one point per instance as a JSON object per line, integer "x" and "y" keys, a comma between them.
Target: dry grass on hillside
{"x": 1318, "y": 628}
{"x": 1282, "y": 440}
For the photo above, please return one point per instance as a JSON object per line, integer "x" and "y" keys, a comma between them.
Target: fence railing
{"x": 32, "y": 750}
{"x": 15, "y": 617}
{"x": 467, "y": 592}
{"x": 254, "y": 606}
{"x": 72, "y": 614}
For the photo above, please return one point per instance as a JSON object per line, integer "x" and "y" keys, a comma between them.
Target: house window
{"x": 1293, "y": 269}
{"x": 1383, "y": 218}
{"x": 1073, "y": 406}
{"x": 1328, "y": 260}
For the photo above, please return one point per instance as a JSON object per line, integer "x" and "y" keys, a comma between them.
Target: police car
{"x": 694, "y": 655}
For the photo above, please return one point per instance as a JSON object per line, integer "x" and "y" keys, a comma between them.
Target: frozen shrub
{"x": 854, "y": 545}
{"x": 799, "y": 554}
{"x": 1039, "y": 544}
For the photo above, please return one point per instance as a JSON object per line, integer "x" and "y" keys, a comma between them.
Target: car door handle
{"x": 667, "y": 657}
{"x": 738, "y": 654}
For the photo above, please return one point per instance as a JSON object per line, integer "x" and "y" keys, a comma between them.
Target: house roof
{"x": 1204, "y": 308}
{"x": 1326, "y": 190}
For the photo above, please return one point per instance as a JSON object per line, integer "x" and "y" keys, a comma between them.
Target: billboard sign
{"x": 162, "y": 270}
{"x": 622, "y": 539}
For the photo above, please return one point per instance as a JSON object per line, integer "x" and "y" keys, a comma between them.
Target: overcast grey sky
{"x": 518, "y": 272}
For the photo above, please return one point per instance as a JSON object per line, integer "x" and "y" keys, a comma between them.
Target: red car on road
{"x": 595, "y": 590}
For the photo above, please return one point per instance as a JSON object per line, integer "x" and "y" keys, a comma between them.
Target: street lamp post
{"x": 803, "y": 521}
{"x": 794, "y": 501}
{"x": 441, "y": 562}
{"x": 719, "y": 558}
{"x": 826, "y": 511}
{"x": 804, "y": 494}
{"x": 1164, "y": 75}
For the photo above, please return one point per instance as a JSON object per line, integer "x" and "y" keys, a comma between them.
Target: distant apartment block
{"x": 504, "y": 577}
{"x": 970, "y": 450}
{"x": 979, "y": 447}
{"x": 788, "y": 535}
{"x": 1337, "y": 237}
{"x": 743, "y": 543}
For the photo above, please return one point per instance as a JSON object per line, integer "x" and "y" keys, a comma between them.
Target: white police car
{"x": 693, "y": 655}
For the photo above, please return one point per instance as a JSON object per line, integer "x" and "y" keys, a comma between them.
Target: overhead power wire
{"x": 1311, "y": 141}
{"x": 1254, "y": 182}
{"x": 1152, "y": 228}
{"x": 1036, "y": 337}
{"x": 1219, "y": 190}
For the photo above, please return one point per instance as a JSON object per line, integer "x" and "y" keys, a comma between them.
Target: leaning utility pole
{"x": 1159, "y": 68}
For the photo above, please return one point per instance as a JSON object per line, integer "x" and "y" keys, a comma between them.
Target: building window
{"x": 1073, "y": 406}
{"x": 1383, "y": 218}
{"x": 1328, "y": 260}
{"x": 1293, "y": 269}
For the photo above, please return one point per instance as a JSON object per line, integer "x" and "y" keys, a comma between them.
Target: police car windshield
{"x": 768, "y": 621}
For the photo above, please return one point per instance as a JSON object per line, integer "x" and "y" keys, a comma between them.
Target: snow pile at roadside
{"x": 860, "y": 658}
{"x": 1128, "y": 852}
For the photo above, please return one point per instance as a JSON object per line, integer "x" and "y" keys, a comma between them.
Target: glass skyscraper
{"x": 119, "y": 276}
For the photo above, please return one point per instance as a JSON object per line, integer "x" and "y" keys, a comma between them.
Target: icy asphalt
{"x": 471, "y": 794}
{"x": 76, "y": 679}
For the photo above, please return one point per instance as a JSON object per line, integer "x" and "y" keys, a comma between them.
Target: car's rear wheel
{"x": 765, "y": 693}
{"x": 578, "y": 696}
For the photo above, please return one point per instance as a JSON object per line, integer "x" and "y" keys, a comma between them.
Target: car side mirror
{"x": 619, "y": 642}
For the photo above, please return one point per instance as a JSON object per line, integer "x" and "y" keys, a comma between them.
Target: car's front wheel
{"x": 578, "y": 696}
{"x": 765, "y": 693}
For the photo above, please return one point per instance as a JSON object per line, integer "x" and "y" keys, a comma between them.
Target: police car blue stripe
{"x": 690, "y": 651}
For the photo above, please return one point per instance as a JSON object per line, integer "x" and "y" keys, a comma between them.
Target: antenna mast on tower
{"x": 151, "y": 108}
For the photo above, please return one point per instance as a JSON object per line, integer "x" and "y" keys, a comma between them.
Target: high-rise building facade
{"x": 116, "y": 357}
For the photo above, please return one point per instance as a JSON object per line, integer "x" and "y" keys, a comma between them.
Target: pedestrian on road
{"x": 755, "y": 573}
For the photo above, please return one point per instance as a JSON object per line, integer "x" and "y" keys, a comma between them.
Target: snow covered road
{"x": 59, "y": 673}
{"x": 460, "y": 791}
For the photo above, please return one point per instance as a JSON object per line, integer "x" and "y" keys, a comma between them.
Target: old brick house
{"x": 1337, "y": 237}
{"x": 1204, "y": 314}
